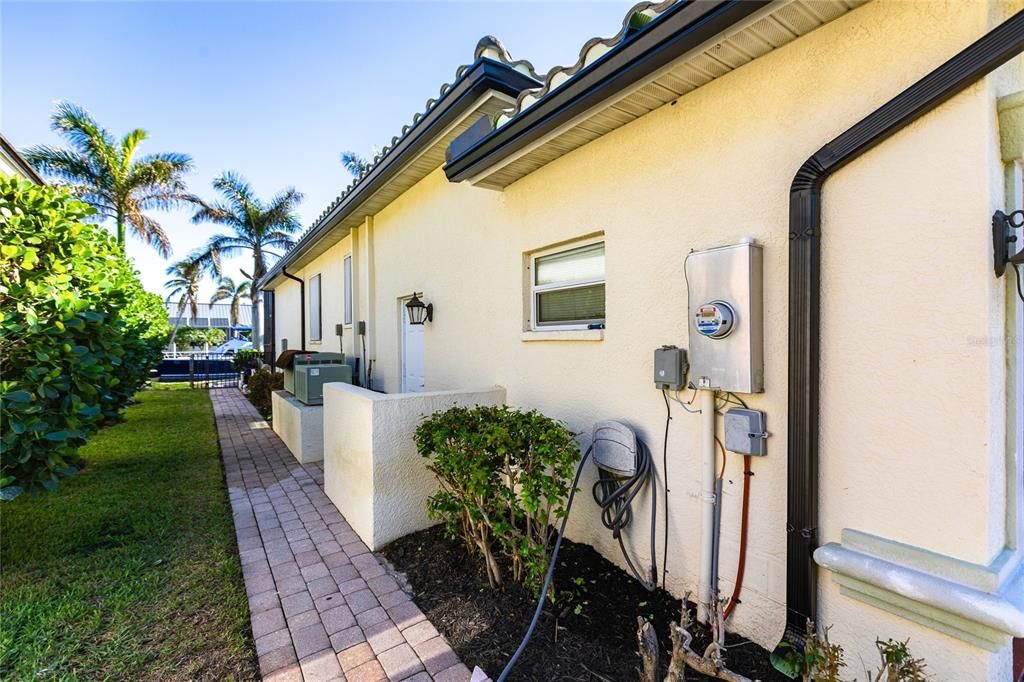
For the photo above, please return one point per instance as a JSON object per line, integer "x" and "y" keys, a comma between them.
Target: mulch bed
{"x": 590, "y": 635}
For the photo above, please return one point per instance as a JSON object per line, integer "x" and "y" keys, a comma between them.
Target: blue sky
{"x": 273, "y": 90}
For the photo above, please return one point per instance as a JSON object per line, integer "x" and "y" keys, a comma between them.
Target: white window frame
{"x": 316, "y": 332}
{"x": 347, "y": 283}
{"x": 536, "y": 289}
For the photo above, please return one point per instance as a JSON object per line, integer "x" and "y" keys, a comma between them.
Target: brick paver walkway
{"x": 323, "y": 607}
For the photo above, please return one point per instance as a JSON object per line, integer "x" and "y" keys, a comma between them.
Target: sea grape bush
{"x": 79, "y": 333}
{"x": 504, "y": 476}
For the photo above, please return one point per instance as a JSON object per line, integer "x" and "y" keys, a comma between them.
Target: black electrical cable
{"x": 551, "y": 571}
{"x": 617, "y": 500}
{"x": 615, "y": 494}
{"x": 664, "y": 474}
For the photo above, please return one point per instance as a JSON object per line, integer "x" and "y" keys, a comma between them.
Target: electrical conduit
{"x": 706, "y": 404}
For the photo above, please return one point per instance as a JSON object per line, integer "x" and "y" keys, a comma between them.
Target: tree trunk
{"x": 120, "y": 231}
{"x": 256, "y": 335}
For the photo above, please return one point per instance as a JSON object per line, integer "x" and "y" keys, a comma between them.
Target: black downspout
{"x": 980, "y": 58}
{"x": 302, "y": 304}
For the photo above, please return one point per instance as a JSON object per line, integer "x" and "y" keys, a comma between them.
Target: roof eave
{"x": 21, "y": 161}
{"x": 675, "y": 33}
{"x": 483, "y": 75}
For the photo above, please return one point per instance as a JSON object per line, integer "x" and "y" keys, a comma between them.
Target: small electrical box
{"x": 669, "y": 368}
{"x": 361, "y": 328}
{"x": 339, "y": 329}
{"x": 745, "y": 432}
{"x": 725, "y": 318}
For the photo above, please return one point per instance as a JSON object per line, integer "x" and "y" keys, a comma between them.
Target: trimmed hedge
{"x": 79, "y": 333}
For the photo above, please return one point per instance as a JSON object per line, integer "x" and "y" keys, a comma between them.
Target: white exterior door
{"x": 412, "y": 353}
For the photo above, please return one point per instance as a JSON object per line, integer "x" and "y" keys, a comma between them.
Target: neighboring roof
{"x": 662, "y": 51}
{"x": 14, "y": 158}
{"x": 217, "y": 311}
{"x": 484, "y": 87}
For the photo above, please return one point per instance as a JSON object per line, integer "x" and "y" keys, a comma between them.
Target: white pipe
{"x": 705, "y": 608}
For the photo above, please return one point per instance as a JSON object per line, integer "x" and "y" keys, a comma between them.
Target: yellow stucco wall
{"x": 330, "y": 266}
{"x": 913, "y": 379}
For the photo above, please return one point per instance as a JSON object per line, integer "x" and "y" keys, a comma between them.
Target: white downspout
{"x": 705, "y": 609}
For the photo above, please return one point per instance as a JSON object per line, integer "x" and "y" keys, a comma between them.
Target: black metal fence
{"x": 201, "y": 370}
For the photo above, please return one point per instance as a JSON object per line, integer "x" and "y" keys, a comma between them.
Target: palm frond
{"x": 237, "y": 191}
{"x": 149, "y": 231}
{"x": 76, "y": 125}
{"x": 353, "y": 163}
{"x": 104, "y": 172}
{"x": 130, "y": 142}
{"x": 63, "y": 164}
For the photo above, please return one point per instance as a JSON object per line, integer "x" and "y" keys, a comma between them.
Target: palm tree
{"x": 255, "y": 226}
{"x": 184, "y": 283}
{"x": 227, "y": 289}
{"x": 105, "y": 173}
{"x": 353, "y": 163}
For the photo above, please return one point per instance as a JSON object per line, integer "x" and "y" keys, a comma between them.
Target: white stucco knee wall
{"x": 300, "y": 426}
{"x": 372, "y": 471}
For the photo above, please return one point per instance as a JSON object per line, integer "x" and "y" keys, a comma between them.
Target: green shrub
{"x": 822, "y": 661}
{"x": 146, "y": 332}
{"x": 261, "y": 385}
{"x": 197, "y": 336}
{"x": 504, "y": 477}
{"x": 79, "y": 333}
{"x": 246, "y": 358}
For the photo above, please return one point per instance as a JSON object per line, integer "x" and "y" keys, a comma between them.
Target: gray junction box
{"x": 669, "y": 368}
{"x": 725, "y": 313}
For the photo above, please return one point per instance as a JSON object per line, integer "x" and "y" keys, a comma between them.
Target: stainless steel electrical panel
{"x": 725, "y": 313}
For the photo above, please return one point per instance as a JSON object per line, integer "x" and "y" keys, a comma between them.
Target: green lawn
{"x": 130, "y": 569}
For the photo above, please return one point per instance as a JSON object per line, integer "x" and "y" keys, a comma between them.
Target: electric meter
{"x": 714, "y": 319}
{"x": 725, "y": 311}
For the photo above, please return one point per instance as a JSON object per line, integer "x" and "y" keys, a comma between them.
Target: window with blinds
{"x": 348, "y": 289}
{"x": 568, "y": 287}
{"x": 314, "y": 308}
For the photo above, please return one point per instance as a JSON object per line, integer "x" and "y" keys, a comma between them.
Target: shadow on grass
{"x": 130, "y": 569}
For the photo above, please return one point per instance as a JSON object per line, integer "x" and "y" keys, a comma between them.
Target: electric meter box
{"x": 725, "y": 313}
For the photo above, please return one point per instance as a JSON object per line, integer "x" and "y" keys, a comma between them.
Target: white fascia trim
{"x": 958, "y": 609}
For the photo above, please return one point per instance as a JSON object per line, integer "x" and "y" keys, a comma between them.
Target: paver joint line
{"x": 322, "y": 606}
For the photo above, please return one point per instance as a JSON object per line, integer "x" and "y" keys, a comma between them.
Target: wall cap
{"x": 979, "y": 604}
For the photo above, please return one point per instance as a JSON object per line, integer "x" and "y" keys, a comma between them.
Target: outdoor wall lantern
{"x": 1003, "y": 237}
{"x": 419, "y": 312}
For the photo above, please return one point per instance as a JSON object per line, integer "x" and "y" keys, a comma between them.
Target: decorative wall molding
{"x": 979, "y": 604}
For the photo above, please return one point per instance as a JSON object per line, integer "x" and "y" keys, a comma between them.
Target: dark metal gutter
{"x": 302, "y": 303}
{"x": 988, "y": 53}
{"x": 483, "y": 75}
{"x": 677, "y": 31}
